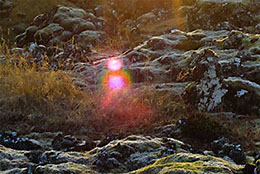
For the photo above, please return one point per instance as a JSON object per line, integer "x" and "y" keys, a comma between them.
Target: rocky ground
{"x": 204, "y": 53}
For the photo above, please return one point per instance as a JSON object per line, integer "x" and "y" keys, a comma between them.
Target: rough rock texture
{"x": 203, "y": 60}
{"x": 223, "y": 15}
{"x": 190, "y": 163}
{"x": 118, "y": 156}
{"x": 205, "y": 72}
{"x": 60, "y": 25}
{"x": 223, "y": 147}
{"x": 134, "y": 152}
{"x": 214, "y": 66}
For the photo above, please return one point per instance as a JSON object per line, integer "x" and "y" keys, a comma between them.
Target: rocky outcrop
{"x": 223, "y": 147}
{"x": 190, "y": 163}
{"x": 13, "y": 141}
{"x": 223, "y": 15}
{"x": 60, "y": 25}
{"x": 133, "y": 154}
{"x": 209, "y": 62}
{"x": 205, "y": 72}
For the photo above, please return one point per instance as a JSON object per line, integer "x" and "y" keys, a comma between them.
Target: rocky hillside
{"x": 182, "y": 94}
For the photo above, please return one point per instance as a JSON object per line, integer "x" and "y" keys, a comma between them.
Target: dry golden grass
{"x": 35, "y": 98}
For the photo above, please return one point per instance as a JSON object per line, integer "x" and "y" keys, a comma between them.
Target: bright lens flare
{"x": 114, "y": 64}
{"x": 116, "y": 82}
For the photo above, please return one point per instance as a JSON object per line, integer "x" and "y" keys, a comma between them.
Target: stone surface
{"x": 60, "y": 25}
{"x": 118, "y": 156}
{"x": 220, "y": 15}
{"x": 223, "y": 147}
{"x": 190, "y": 163}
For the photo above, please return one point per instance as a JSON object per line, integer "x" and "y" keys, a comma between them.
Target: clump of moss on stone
{"x": 190, "y": 163}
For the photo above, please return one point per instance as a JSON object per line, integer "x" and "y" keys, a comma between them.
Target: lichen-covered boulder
{"x": 161, "y": 58}
{"x": 187, "y": 163}
{"x": 65, "y": 168}
{"x": 134, "y": 152}
{"x": 45, "y": 34}
{"x": 207, "y": 89}
{"x": 90, "y": 37}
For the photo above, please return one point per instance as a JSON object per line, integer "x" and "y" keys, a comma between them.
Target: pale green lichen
{"x": 190, "y": 163}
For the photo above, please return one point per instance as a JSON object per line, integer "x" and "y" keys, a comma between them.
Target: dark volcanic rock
{"x": 11, "y": 140}
{"x": 118, "y": 156}
{"x": 223, "y": 147}
{"x": 70, "y": 143}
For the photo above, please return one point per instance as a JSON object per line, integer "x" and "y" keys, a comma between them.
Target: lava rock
{"x": 13, "y": 141}
{"x": 249, "y": 169}
{"x": 70, "y": 143}
{"x": 223, "y": 147}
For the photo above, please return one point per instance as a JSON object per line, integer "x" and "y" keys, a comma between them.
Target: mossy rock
{"x": 77, "y": 25}
{"x": 47, "y": 32}
{"x": 64, "y": 168}
{"x": 186, "y": 163}
{"x": 70, "y": 12}
{"x": 20, "y": 7}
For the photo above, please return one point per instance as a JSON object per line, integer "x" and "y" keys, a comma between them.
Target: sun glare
{"x": 116, "y": 82}
{"x": 114, "y": 64}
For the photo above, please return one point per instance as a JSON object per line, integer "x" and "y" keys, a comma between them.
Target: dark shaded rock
{"x": 11, "y": 140}
{"x": 243, "y": 94}
{"x": 249, "y": 169}
{"x": 108, "y": 139}
{"x": 223, "y": 147}
{"x": 34, "y": 156}
{"x": 70, "y": 143}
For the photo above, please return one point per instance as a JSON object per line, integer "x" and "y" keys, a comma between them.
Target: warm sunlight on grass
{"x": 48, "y": 100}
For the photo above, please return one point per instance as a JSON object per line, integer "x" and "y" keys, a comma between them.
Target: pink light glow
{"x": 114, "y": 64}
{"x": 116, "y": 82}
